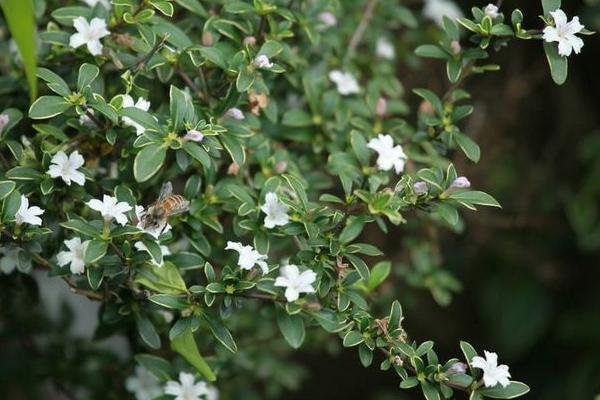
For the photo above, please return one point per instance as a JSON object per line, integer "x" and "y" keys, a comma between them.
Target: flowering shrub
{"x": 207, "y": 170}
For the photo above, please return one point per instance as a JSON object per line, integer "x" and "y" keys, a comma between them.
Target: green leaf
{"x": 194, "y": 6}
{"x": 166, "y": 279}
{"x": 513, "y": 390}
{"x": 296, "y": 118}
{"x": 164, "y": 6}
{"x": 359, "y": 146}
{"x": 245, "y": 79}
{"x": 365, "y": 355}
{"x": 6, "y": 188}
{"x": 147, "y": 331}
{"x": 270, "y": 48}
{"x": 429, "y": 391}
{"x": 432, "y": 98}
{"x": 395, "y": 317}
{"x": 81, "y": 226}
{"x": 221, "y": 333}
{"x": 95, "y": 275}
{"x": 360, "y": 265}
{"x": 185, "y": 345}
{"x": 54, "y": 82}
{"x": 447, "y": 212}
{"x": 142, "y": 117}
{"x": 169, "y": 301}
{"x": 476, "y": 197}
{"x": 197, "y": 152}
{"x": 453, "y": 70}
{"x": 10, "y": 205}
{"x": 409, "y": 382}
{"x": 559, "y": 65}
{"x": 468, "y": 351}
{"x": 353, "y": 228}
{"x": 353, "y": 338}
{"x": 379, "y": 273}
{"x": 432, "y": 51}
{"x": 48, "y": 106}
{"x": 24, "y": 174}
{"x": 468, "y": 146}
{"x": 234, "y": 148}
{"x": 20, "y": 19}
{"x": 159, "y": 367}
{"x": 94, "y": 251}
{"x": 87, "y": 74}
{"x": 178, "y": 106}
{"x": 298, "y": 187}
{"x": 291, "y": 327}
{"x": 148, "y": 161}
{"x": 550, "y": 5}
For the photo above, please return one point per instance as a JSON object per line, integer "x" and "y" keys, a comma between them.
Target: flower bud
{"x": 491, "y": 11}
{"x": 4, "y": 120}
{"x": 233, "y": 169}
{"x": 398, "y": 361}
{"x": 327, "y": 18}
{"x": 207, "y": 38}
{"x": 280, "y": 167}
{"x": 193, "y": 135}
{"x": 461, "y": 183}
{"x": 249, "y": 40}
{"x": 262, "y": 61}
{"x": 426, "y": 108}
{"x": 455, "y": 46}
{"x": 457, "y": 369}
{"x": 381, "y": 107}
{"x": 234, "y": 113}
{"x": 420, "y": 188}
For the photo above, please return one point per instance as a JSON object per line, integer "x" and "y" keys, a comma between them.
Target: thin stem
{"x": 188, "y": 81}
{"x": 361, "y": 28}
{"x": 157, "y": 46}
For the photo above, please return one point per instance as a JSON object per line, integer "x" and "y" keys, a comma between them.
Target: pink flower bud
{"x": 461, "y": 183}
{"x": 4, "y": 120}
{"x": 280, "y": 167}
{"x": 457, "y": 369}
{"x": 381, "y": 107}
{"x": 234, "y": 113}
{"x": 327, "y": 18}
{"x": 455, "y": 46}
{"x": 420, "y": 188}
{"x": 250, "y": 40}
{"x": 193, "y": 135}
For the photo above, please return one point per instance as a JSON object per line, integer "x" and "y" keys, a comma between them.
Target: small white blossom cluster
{"x": 145, "y": 386}
{"x": 390, "y": 156}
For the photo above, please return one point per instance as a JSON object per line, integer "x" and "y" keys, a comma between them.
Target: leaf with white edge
{"x": 432, "y": 98}
{"x": 48, "y": 107}
{"x": 6, "y": 187}
{"x": 147, "y": 331}
{"x": 148, "y": 161}
{"x": 468, "y": 146}
{"x": 221, "y": 333}
{"x": 379, "y": 273}
{"x": 468, "y": 351}
{"x": 169, "y": 301}
{"x": 81, "y": 226}
{"x": 87, "y": 74}
{"x": 512, "y": 391}
{"x": 157, "y": 366}
{"x": 54, "y": 82}
{"x": 429, "y": 391}
{"x": 559, "y": 65}
{"x": 353, "y": 338}
{"x": 186, "y": 346}
{"x": 395, "y": 317}
{"x": 94, "y": 251}
{"x": 476, "y": 197}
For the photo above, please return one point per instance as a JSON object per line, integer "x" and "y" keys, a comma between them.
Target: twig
{"x": 361, "y": 28}
{"x": 157, "y": 46}
{"x": 188, "y": 81}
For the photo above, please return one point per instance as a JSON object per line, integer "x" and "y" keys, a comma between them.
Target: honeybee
{"x": 167, "y": 204}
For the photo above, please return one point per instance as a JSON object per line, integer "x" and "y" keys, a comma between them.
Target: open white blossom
{"x": 275, "y": 210}
{"x": 212, "y": 393}
{"x": 248, "y": 257}
{"x": 154, "y": 231}
{"x": 262, "y": 61}
{"x": 164, "y": 251}
{"x": 564, "y": 33}
{"x": 141, "y": 104}
{"x": 186, "y": 388}
{"x": 385, "y": 49}
{"x": 74, "y": 256}
{"x": 89, "y": 33}
{"x": 28, "y": 215}
{"x": 110, "y": 208}
{"x": 345, "y": 82}
{"x": 234, "y": 113}
{"x": 143, "y": 384}
{"x": 389, "y": 156}
{"x": 65, "y": 167}
{"x": 295, "y": 282}
{"x": 10, "y": 259}
{"x": 493, "y": 373}
{"x": 436, "y": 10}
{"x": 92, "y": 3}
{"x": 491, "y": 10}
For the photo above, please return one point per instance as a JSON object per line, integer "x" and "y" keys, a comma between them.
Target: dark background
{"x": 529, "y": 271}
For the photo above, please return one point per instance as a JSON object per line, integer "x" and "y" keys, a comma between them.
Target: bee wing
{"x": 180, "y": 207}
{"x": 165, "y": 191}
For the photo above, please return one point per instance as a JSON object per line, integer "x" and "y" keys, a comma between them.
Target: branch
{"x": 157, "y": 46}
{"x": 361, "y": 28}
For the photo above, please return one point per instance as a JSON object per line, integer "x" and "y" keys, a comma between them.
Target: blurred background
{"x": 522, "y": 281}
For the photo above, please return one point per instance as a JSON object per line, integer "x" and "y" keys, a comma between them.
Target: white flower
{"x": 186, "y": 388}
{"x": 345, "y": 82}
{"x": 154, "y": 231}
{"x": 74, "y": 256}
{"x": 194, "y": 135}
{"x": 275, "y": 210}
{"x": 435, "y": 10}
{"x": 327, "y": 18}
{"x": 234, "y": 113}
{"x": 28, "y": 215}
{"x": 141, "y": 104}
{"x": 262, "y": 61}
{"x": 4, "y": 120}
{"x": 66, "y": 167}
{"x": 10, "y": 261}
{"x": 92, "y": 3}
{"x": 389, "y": 156}
{"x": 164, "y": 251}
{"x": 295, "y": 282}
{"x": 564, "y": 33}
{"x": 248, "y": 257}
{"x": 385, "y": 49}
{"x": 89, "y": 34}
{"x": 461, "y": 183}
{"x": 491, "y": 10}
{"x": 110, "y": 208}
{"x": 492, "y": 372}
{"x": 212, "y": 393}
{"x": 143, "y": 384}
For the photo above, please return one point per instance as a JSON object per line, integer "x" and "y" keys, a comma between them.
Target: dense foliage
{"x": 287, "y": 137}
